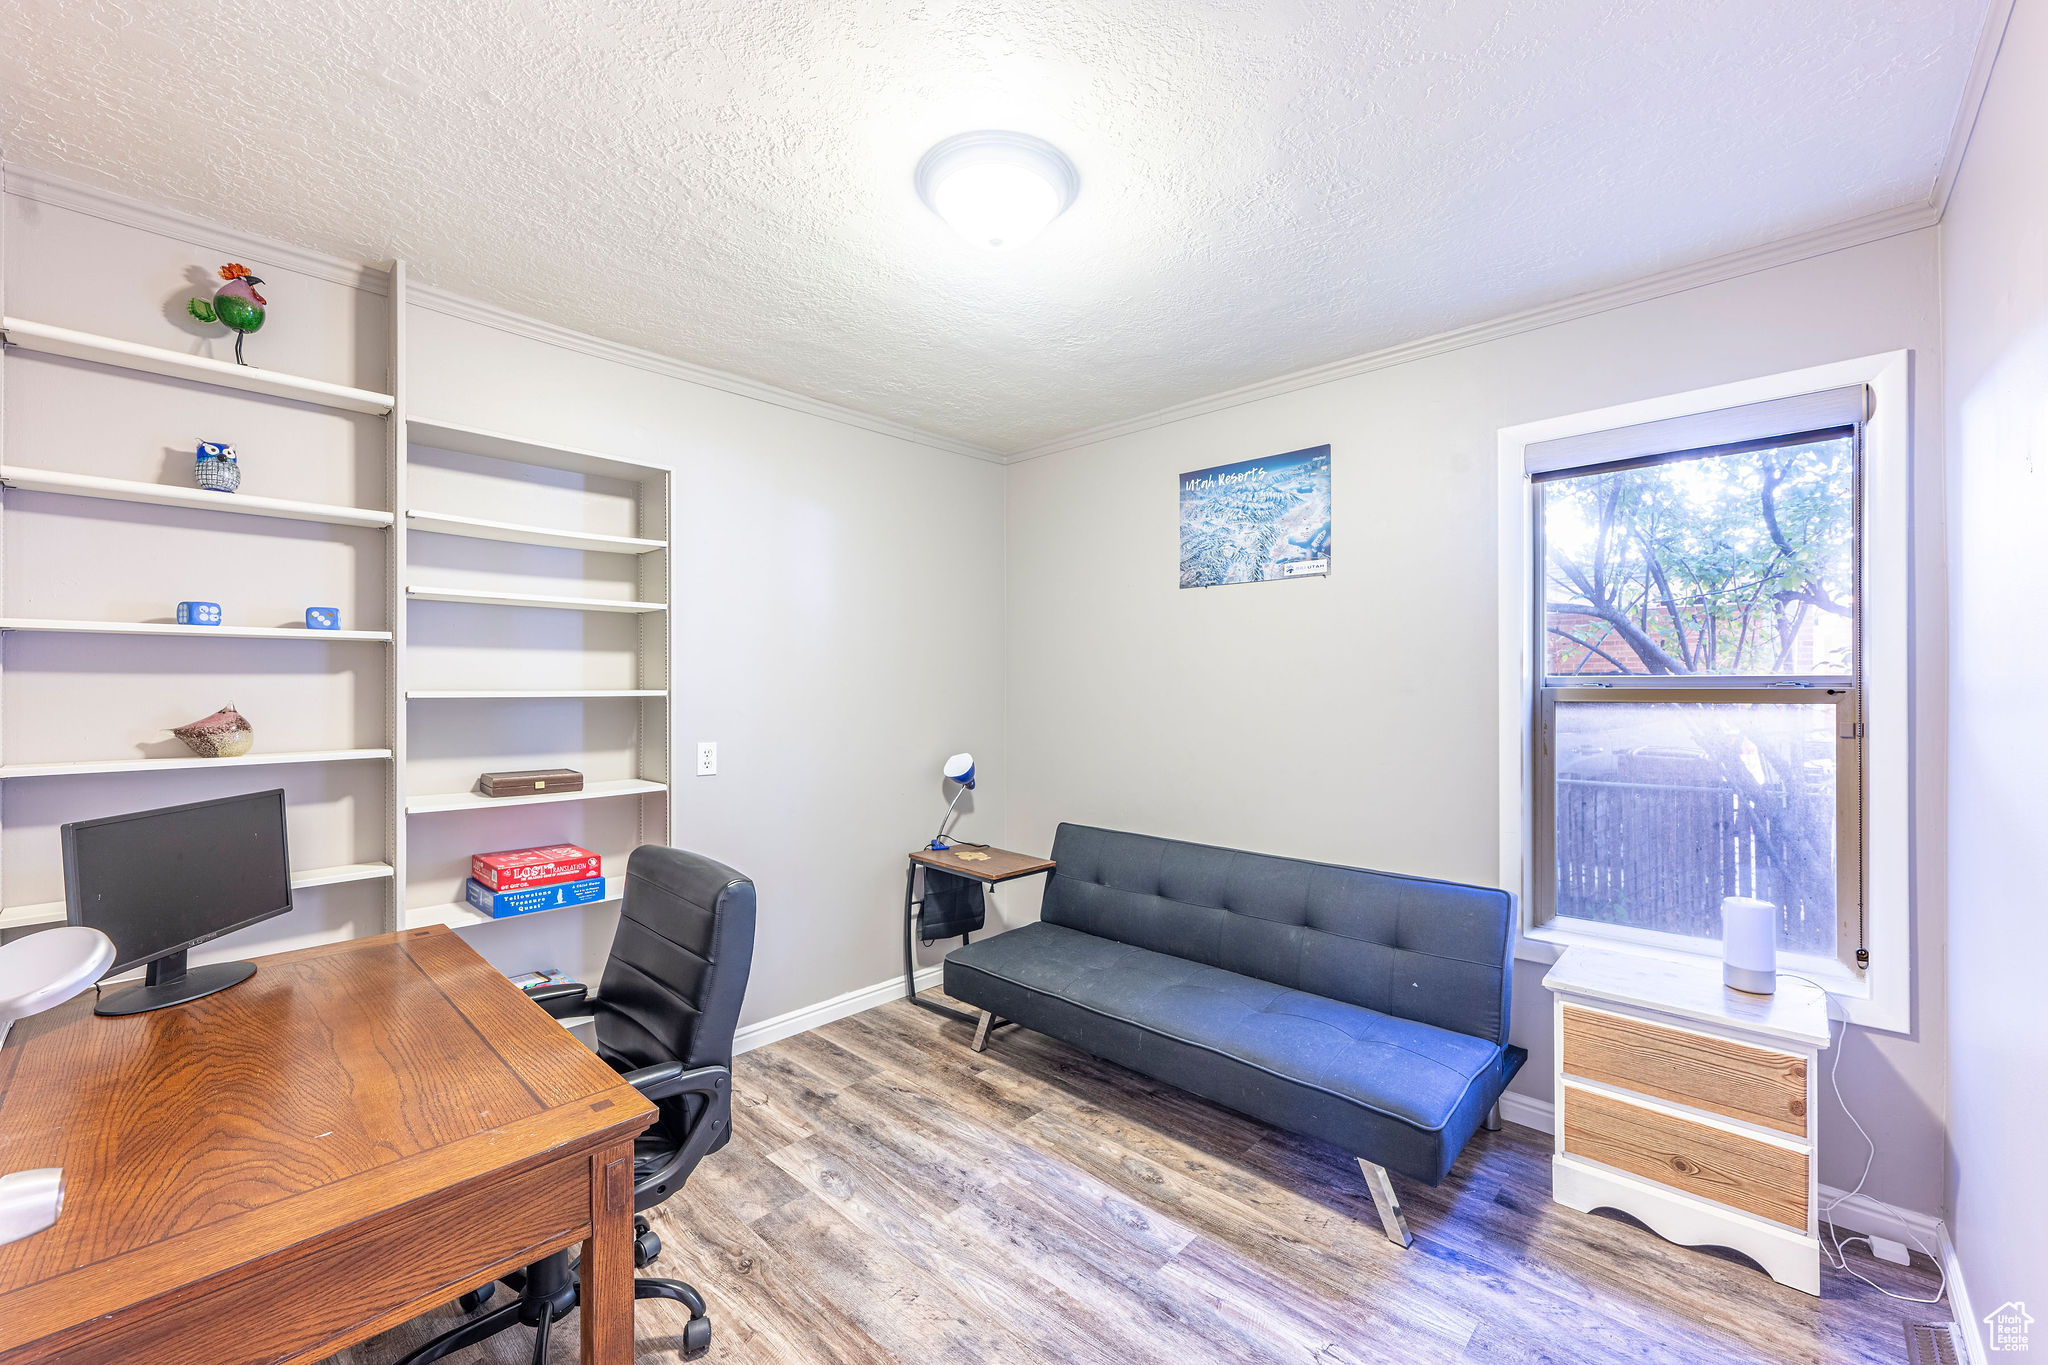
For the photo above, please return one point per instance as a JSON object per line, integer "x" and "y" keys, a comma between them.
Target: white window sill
{"x": 1849, "y": 994}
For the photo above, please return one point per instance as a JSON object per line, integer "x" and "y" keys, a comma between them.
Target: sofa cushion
{"x": 1404, "y": 1094}
{"x": 1430, "y": 951}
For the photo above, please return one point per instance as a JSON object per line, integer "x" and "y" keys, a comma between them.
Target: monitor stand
{"x": 169, "y": 983}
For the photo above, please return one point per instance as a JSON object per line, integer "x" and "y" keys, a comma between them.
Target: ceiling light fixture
{"x": 996, "y": 189}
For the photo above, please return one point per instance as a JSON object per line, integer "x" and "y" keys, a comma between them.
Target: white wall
{"x": 838, "y": 627}
{"x": 838, "y": 622}
{"x": 1994, "y": 261}
{"x": 1352, "y": 719}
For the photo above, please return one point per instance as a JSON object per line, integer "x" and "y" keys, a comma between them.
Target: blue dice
{"x": 198, "y": 613}
{"x": 323, "y": 618}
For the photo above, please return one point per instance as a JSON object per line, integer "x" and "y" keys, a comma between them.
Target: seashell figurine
{"x": 226, "y": 733}
{"x": 215, "y": 468}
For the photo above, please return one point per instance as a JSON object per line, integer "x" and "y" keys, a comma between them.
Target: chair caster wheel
{"x": 476, "y": 1298}
{"x": 696, "y": 1338}
{"x": 646, "y": 1247}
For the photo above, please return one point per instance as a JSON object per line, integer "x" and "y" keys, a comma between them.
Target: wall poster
{"x": 1255, "y": 520}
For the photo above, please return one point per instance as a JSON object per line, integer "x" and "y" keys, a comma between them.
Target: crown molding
{"x": 44, "y": 188}
{"x": 1989, "y": 41}
{"x": 518, "y": 324}
{"x": 1733, "y": 265}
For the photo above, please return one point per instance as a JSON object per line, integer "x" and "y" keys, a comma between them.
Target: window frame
{"x": 1876, "y": 696}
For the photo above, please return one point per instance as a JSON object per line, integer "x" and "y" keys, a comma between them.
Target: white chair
{"x": 38, "y": 972}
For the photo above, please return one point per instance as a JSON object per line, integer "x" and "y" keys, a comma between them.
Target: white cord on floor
{"x": 1833, "y": 1250}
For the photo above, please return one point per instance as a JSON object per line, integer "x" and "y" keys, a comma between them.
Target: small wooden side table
{"x": 1690, "y": 1106}
{"x": 988, "y": 866}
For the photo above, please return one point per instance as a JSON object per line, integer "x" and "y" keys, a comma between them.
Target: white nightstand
{"x": 1691, "y": 1106}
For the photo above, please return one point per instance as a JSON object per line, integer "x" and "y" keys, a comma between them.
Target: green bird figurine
{"x": 235, "y": 305}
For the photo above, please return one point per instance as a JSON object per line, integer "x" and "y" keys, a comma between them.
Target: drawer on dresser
{"x": 1719, "y": 1075}
{"x": 1739, "y": 1172}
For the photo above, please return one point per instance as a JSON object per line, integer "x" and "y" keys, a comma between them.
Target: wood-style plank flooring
{"x": 890, "y": 1196}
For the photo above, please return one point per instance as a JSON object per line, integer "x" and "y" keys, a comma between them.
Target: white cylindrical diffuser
{"x": 1749, "y": 945}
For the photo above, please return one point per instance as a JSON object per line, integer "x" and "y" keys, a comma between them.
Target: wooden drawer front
{"x": 313, "y": 1300}
{"x": 1737, "y": 1080}
{"x": 1739, "y": 1172}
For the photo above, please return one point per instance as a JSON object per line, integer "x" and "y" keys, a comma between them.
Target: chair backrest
{"x": 679, "y": 962}
{"x": 1439, "y": 953}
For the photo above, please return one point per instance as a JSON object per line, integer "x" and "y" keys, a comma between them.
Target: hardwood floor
{"x": 890, "y": 1196}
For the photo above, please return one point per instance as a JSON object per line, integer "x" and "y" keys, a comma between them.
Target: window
{"x": 1698, "y": 722}
{"x": 1693, "y": 710}
{"x": 1705, "y": 674}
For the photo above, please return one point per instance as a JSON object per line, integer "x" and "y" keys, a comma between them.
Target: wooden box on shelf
{"x": 1690, "y": 1106}
{"x": 530, "y": 782}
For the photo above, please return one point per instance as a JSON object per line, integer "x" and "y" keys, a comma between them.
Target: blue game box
{"x": 526, "y": 900}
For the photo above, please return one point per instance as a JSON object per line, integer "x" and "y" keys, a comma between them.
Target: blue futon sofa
{"x": 1362, "y": 1008}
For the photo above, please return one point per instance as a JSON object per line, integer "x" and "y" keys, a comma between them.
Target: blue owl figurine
{"x": 215, "y": 467}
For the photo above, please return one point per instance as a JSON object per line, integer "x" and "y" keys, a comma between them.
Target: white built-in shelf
{"x": 170, "y": 628}
{"x": 129, "y": 355}
{"x": 23, "y": 916}
{"x": 592, "y": 791}
{"x": 587, "y": 694}
{"x": 461, "y": 915}
{"x": 473, "y": 528}
{"x": 339, "y": 873}
{"x": 170, "y": 495}
{"x": 150, "y": 765}
{"x": 496, "y": 445}
{"x": 421, "y": 593}
{"x": 53, "y": 912}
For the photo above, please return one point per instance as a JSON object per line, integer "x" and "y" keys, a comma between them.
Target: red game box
{"x": 522, "y": 867}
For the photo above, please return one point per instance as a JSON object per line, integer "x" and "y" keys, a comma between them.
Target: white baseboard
{"x": 1921, "y": 1231}
{"x": 1528, "y": 1111}
{"x": 1968, "y": 1326}
{"x": 824, "y": 1012}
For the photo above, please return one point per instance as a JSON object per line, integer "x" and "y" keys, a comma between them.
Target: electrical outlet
{"x": 707, "y": 758}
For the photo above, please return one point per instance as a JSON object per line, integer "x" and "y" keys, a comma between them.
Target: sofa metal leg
{"x": 1382, "y": 1186}
{"x": 981, "y": 1030}
{"x": 1492, "y": 1122}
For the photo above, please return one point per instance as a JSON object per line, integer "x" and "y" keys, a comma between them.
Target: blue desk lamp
{"x": 960, "y": 770}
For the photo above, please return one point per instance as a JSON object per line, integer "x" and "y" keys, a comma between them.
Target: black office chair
{"x": 665, "y": 1011}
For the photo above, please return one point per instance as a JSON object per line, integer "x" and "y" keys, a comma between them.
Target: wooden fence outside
{"x": 1661, "y": 856}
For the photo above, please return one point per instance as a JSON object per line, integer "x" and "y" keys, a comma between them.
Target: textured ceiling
{"x": 1265, "y": 186}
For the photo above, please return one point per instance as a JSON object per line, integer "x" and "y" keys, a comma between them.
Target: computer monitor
{"x": 160, "y": 882}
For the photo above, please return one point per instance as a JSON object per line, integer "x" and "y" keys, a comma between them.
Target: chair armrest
{"x": 666, "y": 1080}
{"x": 714, "y": 1122}
{"x": 562, "y": 1000}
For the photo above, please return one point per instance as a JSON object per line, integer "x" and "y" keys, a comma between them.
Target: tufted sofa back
{"x": 1439, "y": 953}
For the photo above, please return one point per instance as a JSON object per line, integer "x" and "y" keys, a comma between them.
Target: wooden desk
{"x": 989, "y": 866}
{"x": 354, "y": 1135}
